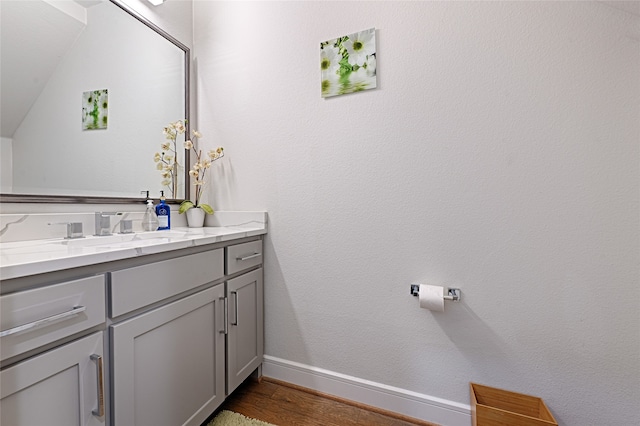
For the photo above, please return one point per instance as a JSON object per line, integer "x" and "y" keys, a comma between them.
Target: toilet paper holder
{"x": 452, "y": 293}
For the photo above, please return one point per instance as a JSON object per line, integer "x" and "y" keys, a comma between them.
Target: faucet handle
{"x": 126, "y": 226}
{"x": 74, "y": 229}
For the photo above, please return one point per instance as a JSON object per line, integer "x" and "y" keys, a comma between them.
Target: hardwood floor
{"x": 288, "y": 405}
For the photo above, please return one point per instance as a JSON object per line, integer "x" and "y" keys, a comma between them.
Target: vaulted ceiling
{"x": 34, "y": 36}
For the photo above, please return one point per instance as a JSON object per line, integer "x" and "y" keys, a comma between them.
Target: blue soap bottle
{"x": 164, "y": 214}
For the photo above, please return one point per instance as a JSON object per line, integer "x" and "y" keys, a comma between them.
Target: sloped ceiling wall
{"x": 34, "y": 37}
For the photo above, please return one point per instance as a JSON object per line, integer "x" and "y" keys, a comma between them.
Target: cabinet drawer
{"x": 137, "y": 287}
{"x": 33, "y": 318}
{"x": 243, "y": 256}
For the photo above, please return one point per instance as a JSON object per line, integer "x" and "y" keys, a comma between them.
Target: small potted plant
{"x": 196, "y": 209}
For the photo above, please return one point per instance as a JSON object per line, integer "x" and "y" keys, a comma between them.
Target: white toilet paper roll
{"x": 432, "y": 297}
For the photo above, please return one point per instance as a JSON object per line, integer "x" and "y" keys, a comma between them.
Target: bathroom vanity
{"x": 150, "y": 329}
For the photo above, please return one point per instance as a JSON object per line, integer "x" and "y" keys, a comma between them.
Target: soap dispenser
{"x": 164, "y": 213}
{"x": 150, "y": 219}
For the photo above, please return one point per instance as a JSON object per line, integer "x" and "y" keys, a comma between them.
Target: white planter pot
{"x": 195, "y": 217}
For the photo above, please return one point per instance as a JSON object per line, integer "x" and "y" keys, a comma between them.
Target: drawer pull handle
{"x": 99, "y": 412}
{"x": 226, "y": 313}
{"x": 235, "y": 298}
{"x": 247, "y": 257}
{"x": 44, "y": 321}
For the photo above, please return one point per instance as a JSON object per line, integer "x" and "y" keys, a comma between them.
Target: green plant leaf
{"x": 185, "y": 205}
{"x": 207, "y": 208}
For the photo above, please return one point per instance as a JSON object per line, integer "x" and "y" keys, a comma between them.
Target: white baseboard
{"x": 402, "y": 401}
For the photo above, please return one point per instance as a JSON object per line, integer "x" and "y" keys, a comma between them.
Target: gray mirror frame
{"x": 65, "y": 199}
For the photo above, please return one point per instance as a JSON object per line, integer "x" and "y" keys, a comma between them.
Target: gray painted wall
{"x": 499, "y": 154}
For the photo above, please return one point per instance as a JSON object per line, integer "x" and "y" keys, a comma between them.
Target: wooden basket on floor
{"x": 497, "y": 407}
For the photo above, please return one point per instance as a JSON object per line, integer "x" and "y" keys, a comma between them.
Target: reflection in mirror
{"x": 61, "y": 142}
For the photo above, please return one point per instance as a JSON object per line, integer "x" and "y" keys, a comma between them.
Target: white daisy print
{"x": 360, "y": 45}
{"x": 348, "y": 63}
{"x": 330, "y": 59}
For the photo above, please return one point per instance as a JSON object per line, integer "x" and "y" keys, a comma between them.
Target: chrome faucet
{"x": 103, "y": 223}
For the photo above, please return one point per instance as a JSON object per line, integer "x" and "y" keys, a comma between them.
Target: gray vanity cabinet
{"x": 57, "y": 388}
{"x": 245, "y": 339}
{"x": 168, "y": 364}
{"x": 53, "y": 348}
{"x": 184, "y": 333}
{"x": 154, "y": 340}
{"x": 167, "y": 349}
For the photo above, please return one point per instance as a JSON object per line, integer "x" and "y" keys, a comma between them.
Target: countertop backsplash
{"x": 40, "y": 226}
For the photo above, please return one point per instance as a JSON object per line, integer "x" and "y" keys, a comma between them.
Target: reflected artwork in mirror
{"x": 52, "y": 54}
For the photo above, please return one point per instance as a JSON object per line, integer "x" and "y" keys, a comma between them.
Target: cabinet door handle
{"x": 225, "y": 314}
{"x": 99, "y": 412}
{"x": 247, "y": 257}
{"x": 44, "y": 321}
{"x": 235, "y": 314}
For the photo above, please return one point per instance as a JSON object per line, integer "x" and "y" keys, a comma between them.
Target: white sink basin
{"x": 160, "y": 234}
{"x": 126, "y": 240}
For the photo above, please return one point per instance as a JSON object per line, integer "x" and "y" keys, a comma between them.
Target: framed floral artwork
{"x": 95, "y": 105}
{"x": 348, "y": 63}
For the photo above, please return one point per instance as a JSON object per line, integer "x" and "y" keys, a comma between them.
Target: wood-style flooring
{"x": 283, "y": 404}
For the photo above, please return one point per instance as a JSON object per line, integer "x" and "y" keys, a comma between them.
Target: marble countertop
{"x": 24, "y": 258}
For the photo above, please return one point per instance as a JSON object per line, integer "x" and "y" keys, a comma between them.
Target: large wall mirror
{"x": 87, "y": 88}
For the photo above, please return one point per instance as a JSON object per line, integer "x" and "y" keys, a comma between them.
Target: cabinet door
{"x": 57, "y": 388}
{"x": 168, "y": 364}
{"x": 245, "y": 339}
